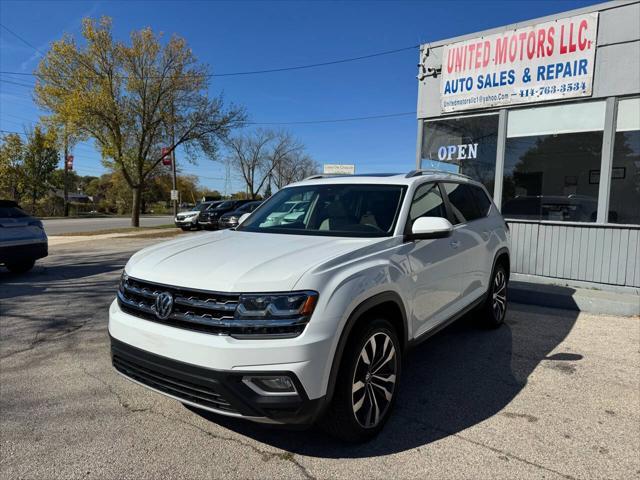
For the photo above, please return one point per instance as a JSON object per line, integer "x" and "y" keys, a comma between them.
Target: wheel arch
{"x": 502, "y": 256}
{"x": 386, "y": 304}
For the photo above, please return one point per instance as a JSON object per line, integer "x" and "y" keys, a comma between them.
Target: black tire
{"x": 21, "y": 267}
{"x": 185, "y": 229}
{"x": 357, "y": 413}
{"x": 494, "y": 309}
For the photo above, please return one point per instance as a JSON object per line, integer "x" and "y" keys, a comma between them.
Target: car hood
{"x": 232, "y": 261}
{"x": 190, "y": 212}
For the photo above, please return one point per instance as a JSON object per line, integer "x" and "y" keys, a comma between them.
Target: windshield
{"x": 223, "y": 205}
{"x": 248, "y": 207}
{"x": 335, "y": 210}
{"x": 11, "y": 212}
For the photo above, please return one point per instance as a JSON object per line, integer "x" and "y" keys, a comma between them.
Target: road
{"x": 59, "y": 226}
{"x": 551, "y": 394}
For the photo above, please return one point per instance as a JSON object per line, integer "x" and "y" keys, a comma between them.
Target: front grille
{"x": 176, "y": 383}
{"x": 208, "y": 312}
{"x": 194, "y": 310}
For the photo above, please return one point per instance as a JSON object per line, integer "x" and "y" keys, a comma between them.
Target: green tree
{"x": 12, "y": 151}
{"x": 40, "y": 161}
{"x": 133, "y": 99}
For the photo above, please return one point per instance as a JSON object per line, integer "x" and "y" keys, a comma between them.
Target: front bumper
{"x": 206, "y": 371}
{"x": 189, "y": 222}
{"x": 217, "y": 391}
{"x": 209, "y": 222}
{"x": 29, "y": 251}
{"x": 226, "y": 223}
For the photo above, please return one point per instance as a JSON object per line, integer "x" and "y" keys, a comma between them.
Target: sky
{"x": 249, "y": 35}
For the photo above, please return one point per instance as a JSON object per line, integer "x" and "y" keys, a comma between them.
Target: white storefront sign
{"x": 334, "y": 169}
{"x": 541, "y": 62}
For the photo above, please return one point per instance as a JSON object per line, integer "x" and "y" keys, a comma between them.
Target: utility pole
{"x": 65, "y": 181}
{"x": 173, "y": 161}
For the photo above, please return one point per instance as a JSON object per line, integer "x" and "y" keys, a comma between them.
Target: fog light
{"x": 270, "y": 385}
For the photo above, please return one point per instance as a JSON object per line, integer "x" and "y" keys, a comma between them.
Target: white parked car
{"x": 22, "y": 238}
{"x": 287, "y": 212}
{"x": 189, "y": 219}
{"x": 309, "y": 320}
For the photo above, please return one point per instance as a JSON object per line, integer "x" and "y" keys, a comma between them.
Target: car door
{"x": 468, "y": 240}
{"x": 432, "y": 287}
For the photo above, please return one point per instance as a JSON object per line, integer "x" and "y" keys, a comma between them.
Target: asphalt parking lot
{"x": 552, "y": 394}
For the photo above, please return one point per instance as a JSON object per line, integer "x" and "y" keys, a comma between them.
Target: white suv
{"x": 309, "y": 320}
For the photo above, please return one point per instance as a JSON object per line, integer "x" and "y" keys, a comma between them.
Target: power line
{"x": 315, "y": 122}
{"x": 335, "y": 120}
{"x": 250, "y": 72}
{"x": 314, "y": 65}
{"x": 17, "y": 83}
{"x": 26, "y": 42}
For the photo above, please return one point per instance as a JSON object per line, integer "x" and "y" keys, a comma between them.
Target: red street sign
{"x": 69, "y": 162}
{"x": 166, "y": 156}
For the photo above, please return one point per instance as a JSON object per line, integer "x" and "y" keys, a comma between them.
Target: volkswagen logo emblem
{"x": 164, "y": 305}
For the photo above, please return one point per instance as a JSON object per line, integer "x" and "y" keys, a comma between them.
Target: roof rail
{"x": 314, "y": 177}
{"x": 416, "y": 173}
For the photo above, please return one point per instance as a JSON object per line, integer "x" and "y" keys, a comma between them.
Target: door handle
{"x": 454, "y": 243}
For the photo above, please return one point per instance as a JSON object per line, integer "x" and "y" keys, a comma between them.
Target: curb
{"x": 577, "y": 299}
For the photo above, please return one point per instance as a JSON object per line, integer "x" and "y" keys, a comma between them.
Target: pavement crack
{"x": 266, "y": 456}
{"x": 38, "y": 341}
{"x": 489, "y": 447}
{"x": 123, "y": 403}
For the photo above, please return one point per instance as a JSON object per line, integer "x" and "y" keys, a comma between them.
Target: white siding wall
{"x": 607, "y": 254}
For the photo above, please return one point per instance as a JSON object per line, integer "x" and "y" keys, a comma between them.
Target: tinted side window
{"x": 483, "y": 204}
{"x": 462, "y": 202}
{"x": 427, "y": 202}
{"x": 11, "y": 212}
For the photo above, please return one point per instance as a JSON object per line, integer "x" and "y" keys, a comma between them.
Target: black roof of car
{"x": 8, "y": 203}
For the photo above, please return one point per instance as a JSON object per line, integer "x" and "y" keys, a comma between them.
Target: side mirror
{"x": 430, "y": 227}
{"x": 243, "y": 217}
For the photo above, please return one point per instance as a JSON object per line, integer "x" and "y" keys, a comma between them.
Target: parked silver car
{"x": 22, "y": 238}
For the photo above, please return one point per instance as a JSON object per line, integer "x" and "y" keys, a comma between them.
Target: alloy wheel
{"x": 374, "y": 380}
{"x": 499, "y": 294}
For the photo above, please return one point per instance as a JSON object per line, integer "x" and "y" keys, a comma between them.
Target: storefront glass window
{"x": 464, "y": 145}
{"x": 550, "y": 158}
{"x": 624, "y": 202}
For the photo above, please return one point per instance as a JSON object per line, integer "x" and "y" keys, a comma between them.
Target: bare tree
{"x": 293, "y": 168}
{"x": 259, "y": 154}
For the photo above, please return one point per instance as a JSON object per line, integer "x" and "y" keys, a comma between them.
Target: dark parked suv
{"x": 231, "y": 219}
{"x": 209, "y": 219}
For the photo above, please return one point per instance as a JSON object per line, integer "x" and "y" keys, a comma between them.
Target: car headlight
{"x": 281, "y": 315}
{"x": 277, "y": 306}
{"x": 232, "y": 219}
{"x": 36, "y": 223}
{"x": 123, "y": 280}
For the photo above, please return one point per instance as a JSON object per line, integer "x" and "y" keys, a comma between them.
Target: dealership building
{"x": 546, "y": 114}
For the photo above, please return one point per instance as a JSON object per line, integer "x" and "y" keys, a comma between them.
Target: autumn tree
{"x": 257, "y": 154}
{"x": 133, "y": 99}
{"x": 40, "y": 161}
{"x": 12, "y": 150}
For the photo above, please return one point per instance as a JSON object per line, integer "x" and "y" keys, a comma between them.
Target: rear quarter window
{"x": 462, "y": 201}
{"x": 483, "y": 203}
